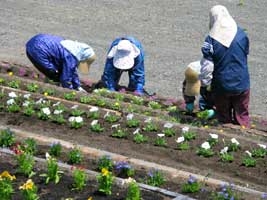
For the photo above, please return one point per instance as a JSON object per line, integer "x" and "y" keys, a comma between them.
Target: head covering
{"x": 223, "y": 27}
{"x": 83, "y": 52}
{"x": 192, "y": 86}
{"x": 124, "y": 54}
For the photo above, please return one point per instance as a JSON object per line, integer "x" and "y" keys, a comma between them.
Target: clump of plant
{"x": 79, "y": 178}
{"x": 93, "y": 113}
{"x": 70, "y": 96}
{"x": 102, "y": 92}
{"x": 124, "y": 169}
{"x": 32, "y": 87}
{"x": 137, "y": 100}
{"x": 2, "y": 81}
{"x": 150, "y": 127}
{"x": 140, "y": 138}
{"x": 227, "y": 193}
{"x": 100, "y": 102}
{"x": 28, "y": 109}
{"x": 168, "y": 130}
{"x": 182, "y": 144}
{"x": 44, "y": 113}
{"x": 132, "y": 123}
{"x": 87, "y": 99}
{"x": 154, "y": 105}
{"x": 7, "y": 138}
{"x": 75, "y": 156}
{"x": 105, "y": 162}
{"x": 191, "y": 186}
{"x": 48, "y": 92}
{"x": 6, "y": 187}
{"x": 58, "y": 117}
{"x": 155, "y": 178}
{"x": 189, "y": 135}
{"x": 53, "y": 172}
{"x": 119, "y": 133}
{"x": 259, "y": 152}
{"x": 133, "y": 192}
{"x": 96, "y": 127}
{"x": 29, "y": 190}
{"x": 111, "y": 118}
{"x": 29, "y": 146}
{"x": 160, "y": 140}
{"x": 115, "y": 106}
{"x": 14, "y": 84}
{"x": 105, "y": 181}
{"x": 213, "y": 139}
{"x": 12, "y": 106}
{"x": 25, "y": 163}
{"x": 76, "y": 122}
{"x": 203, "y": 115}
{"x": 205, "y": 150}
{"x": 55, "y": 149}
{"x": 225, "y": 156}
{"x": 119, "y": 96}
{"x": 248, "y": 161}
{"x": 234, "y": 145}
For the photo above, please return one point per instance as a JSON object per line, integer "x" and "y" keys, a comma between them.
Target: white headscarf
{"x": 81, "y": 51}
{"x": 223, "y": 27}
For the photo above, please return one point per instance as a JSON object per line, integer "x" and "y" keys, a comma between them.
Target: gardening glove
{"x": 211, "y": 113}
{"x": 189, "y": 107}
{"x": 80, "y": 89}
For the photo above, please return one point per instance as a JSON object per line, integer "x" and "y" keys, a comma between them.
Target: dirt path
{"x": 171, "y": 32}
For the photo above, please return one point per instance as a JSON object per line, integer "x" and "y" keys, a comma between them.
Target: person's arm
{"x": 111, "y": 75}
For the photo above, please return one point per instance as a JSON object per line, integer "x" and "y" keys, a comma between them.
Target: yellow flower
{"x": 6, "y": 174}
{"x": 221, "y": 131}
{"x": 117, "y": 104}
{"x": 104, "y": 171}
{"x": 90, "y": 198}
{"x": 27, "y": 186}
{"x": 74, "y": 93}
{"x": 46, "y": 94}
{"x": 206, "y": 126}
{"x": 253, "y": 125}
{"x": 243, "y": 127}
{"x": 10, "y": 73}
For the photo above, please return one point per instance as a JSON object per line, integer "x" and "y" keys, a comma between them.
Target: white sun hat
{"x": 124, "y": 54}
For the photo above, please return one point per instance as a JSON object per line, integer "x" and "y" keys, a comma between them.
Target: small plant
{"x": 205, "y": 150}
{"x": 137, "y": 100}
{"x": 55, "y": 149}
{"x": 96, "y": 127}
{"x": 25, "y": 163}
{"x": 213, "y": 139}
{"x": 14, "y": 84}
{"x": 132, "y": 123}
{"x": 226, "y": 157}
{"x": 58, "y": 119}
{"x": 227, "y": 193}
{"x": 102, "y": 92}
{"x": 75, "y": 156}
{"x": 29, "y": 190}
{"x": 2, "y": 81}
{"x": 6, "y": 188}
{"x": 93, "y": 113}
{"x": 182, "y": 144}
{"x": 234, "y": 145}
{"x": 105, "y": 162}
{"x": 259, "y": 153}
{"x": 155, "y": 178}
{"x": 7, "y": 138}
{"x": 28, "y": 110}
{"x": 203, "y": 115}
{"x": 32, "y": 87}
{"x": 111, "y": 118}
{"x": 189, "y": 135}
{"x": 248, "y": 161}
{"x": 124, "y": 169}
{"x": 191, "y": 186}
{"x": 150, "y": 127}
{"x": 105, "y": 181}
{"x": 100, "y": 102}
{"x": 53, "y": 173}
{"x": 115, "y": 106}
{"x": 29, "y": 146}
{"x": 44, "y": 113}
{"x": 77, "y": 112}
{"x": 119, "y": 133}
{"x": 154, "y": 105}
{"x": 79, "y": 178}
{"x": 169, "y": 132}
{"x": 133, "y": 192}
{"x": 12, "y": 106}
{"x": 160, "y": 141}
{"x": 76, "y": 122}
{"x": 139, "y": 138}
{"x": 87, "y": 99}
{"x": 119, "y": 96}
{"x": 48, "y": 92}
{"x": 70, "y": 96}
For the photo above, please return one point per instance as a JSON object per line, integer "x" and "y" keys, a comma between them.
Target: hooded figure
{"x": 125, "y": 54}
{"x": 59, "y": 59}
{"x": 224, "y": 67}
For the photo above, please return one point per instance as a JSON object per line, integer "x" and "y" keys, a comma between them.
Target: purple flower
{"x": 122, "y": 90}
{"x": 192, "y": 179}
{"x": 122, "y": 165}
{"x": 22, "y": 72}
{"x": 232, "y": 198}
{"x": 264, "y": 196}
{"x": 226, "y": 195}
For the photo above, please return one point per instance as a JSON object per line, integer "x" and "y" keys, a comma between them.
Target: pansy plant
{"x": 140, "y": 138}
{"x": 70, "y": 96}
{"x": 75, "y": 156}
{"x": 76, "y": 122}
{"x": 93, "y": 113}
{"x": 213, "y": 139}
{"x": 168, "y": 129}
{"x": 205, "y": 150}
{"x": 234, "y": 145}
{"x": 111, "y": 118}
{"x": 44, "y": 113}
{"x": 247, "y": 160}
{"x": 150, "y": 126}
{"x": 225, "y": 156}
{"x": 154, "y": 105}
{"x": 191, "y": 186}
{"x": 182, "y": 144}
{"x": 32, "y": 87}
{"x": 58, "y": 117}
{"x": 14, "y": 84}
{"x": 137, "y": 100}
{"x": 160, "y": 140}
{"x": 119, "y": 132}
{"x": 12, "y": 105}
{"x": 6, "y": 185}
{"x": 155, "y": 178}
{"x": 131, "y": 122}
{"x": 96, "y": 127}
{"x": 259, "y": 152}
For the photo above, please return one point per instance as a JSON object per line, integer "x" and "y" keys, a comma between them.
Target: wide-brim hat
{"x": 192, "y": 86}
{"x": 124, "y": 54}
{"x": 84, "y": 66}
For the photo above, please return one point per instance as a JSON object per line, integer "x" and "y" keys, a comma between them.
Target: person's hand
{"x": 80, "y": 89}
{"x": 189, "y": 107}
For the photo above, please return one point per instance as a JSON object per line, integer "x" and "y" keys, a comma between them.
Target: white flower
{"x": 168, "y": 125}
{"x": 262, "y": 146}
{"x": 12, "y": 95}
{"x": 185, "y": 129}
{"x": 214, "y": 136}
{"x": 115, "y": 125}
{"x": 130, "y": 116}
{"x": 47, "y": 156}
{"x": 56, "y": 104}
{"x": 26, "y": 104}
{"x": 57, "y": 112}
{"x": 27, "y": 96}
{"x": 106, "y": 115}
{"x": 205, "y": 145}
{"x": 10, "y": 101}
{"x": 224, "y": 150}
{"x": 94, "y": 109}
{"x": 96, "y": 91}
{"x": 79, "y": 119}
{"x": 136, "y": 131}
{"x": 94, "y": 122}
{"x": 74, "y": 107}
{"x": 161, "y": 134}
{"x": 46, "y": 111}
{"x": 72, "y": 119}
{"x": 180, "y": 139}
{"x": 39, "y": 101}
{"x": 128, "y": 181}
{"x": 249, "y": 154}
{"x": 147, "y": 120}
{"x": 234, "y": 141}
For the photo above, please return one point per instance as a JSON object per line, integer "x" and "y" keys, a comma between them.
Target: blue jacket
{"x": 111, "y": 75}
{"x": 47, "y": 53}
{"x": 230, "y": 73}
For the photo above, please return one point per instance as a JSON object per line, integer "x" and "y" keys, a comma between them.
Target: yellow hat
{"x": 192, "y": 87}
{"x": 84, "y": 66}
